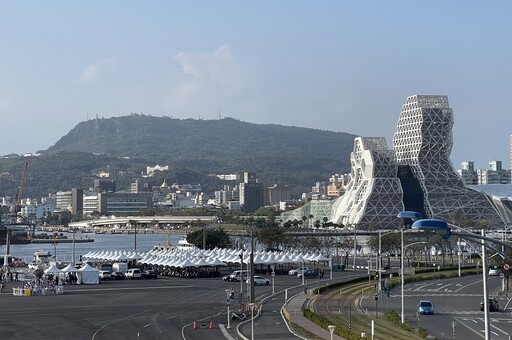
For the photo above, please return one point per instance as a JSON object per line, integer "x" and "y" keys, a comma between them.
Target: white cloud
{"x": 92, "y": 72}
{"x": 207, "y": 78}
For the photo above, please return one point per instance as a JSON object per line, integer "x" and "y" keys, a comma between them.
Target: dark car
{"x": 149, "y": 274}
{"x": 310, "y": 273}
{"x": 117, "y": 276}
{"x": 494, "y": 305}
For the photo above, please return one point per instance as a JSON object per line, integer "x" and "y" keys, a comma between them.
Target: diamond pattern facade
{"x": 423, "y": 141}
{"x": 416, "y": 175}
{"x": 374, "y": 194}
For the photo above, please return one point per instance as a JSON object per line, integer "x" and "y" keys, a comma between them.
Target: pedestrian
{"x": 16, "y": 276}
{"x": 322, "y": 273}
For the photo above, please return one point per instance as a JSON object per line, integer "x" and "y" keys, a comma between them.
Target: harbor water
{"x": 64, "y": 251}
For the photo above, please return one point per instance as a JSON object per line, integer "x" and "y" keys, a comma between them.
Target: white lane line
{"x": 170, "y": 317}
{"x": 499, "y": 329}
{"x": 112, "y": 322}
{"x": 146, "y": 326}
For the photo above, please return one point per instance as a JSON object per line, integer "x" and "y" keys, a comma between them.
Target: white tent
{"x": 69, "y": 269}
{"x": 52, "y": 270}
{"x": 88, "y": 275}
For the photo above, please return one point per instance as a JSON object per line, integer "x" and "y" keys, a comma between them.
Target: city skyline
{"x": 338, "y": 66}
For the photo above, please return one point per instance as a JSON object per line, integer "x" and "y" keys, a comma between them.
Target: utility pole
{"x": 251, "y": 261}
{"x": 204, "y": 237}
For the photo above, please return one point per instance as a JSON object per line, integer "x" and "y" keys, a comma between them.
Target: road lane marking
{"x": 499, "y": 329}
{"x": 112, "y": 322}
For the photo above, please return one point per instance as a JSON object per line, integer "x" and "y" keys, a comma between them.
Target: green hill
{"x": 295, "y": 156}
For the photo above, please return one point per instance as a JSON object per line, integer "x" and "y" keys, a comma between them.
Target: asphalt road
{"x": 165, "y": 308}
{"x": 455, "y": 300}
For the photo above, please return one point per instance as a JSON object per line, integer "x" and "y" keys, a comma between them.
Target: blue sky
{"x": 332, "y": 65}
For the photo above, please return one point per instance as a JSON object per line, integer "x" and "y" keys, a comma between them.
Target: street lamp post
{"x": 228, "y": 302}
{"x": 302, "y": 268}
{"x": 486, "y": 297}
{"x": 273, "y": 275}
{"x": 331, "y": 329}
{"x": 252, "y": 305}
{"x": 73, "y": 246}
{"x": 241, "y": 281}
{"x": 413, "y": 215}
{"x": 402, "y": 271}
{"x": 459, "y": 252}
{"x": 355, "y": 247}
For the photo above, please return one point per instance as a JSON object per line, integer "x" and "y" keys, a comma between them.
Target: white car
{"x": 104, "y": 275}
{"x": 260, "y": 281}
{"x": 494, "y": 272}
{"x": 297, "y": 271}
{"x": 133, "y": 273}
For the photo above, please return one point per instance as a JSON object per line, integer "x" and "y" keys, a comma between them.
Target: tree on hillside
{"x": 214, "y": 237}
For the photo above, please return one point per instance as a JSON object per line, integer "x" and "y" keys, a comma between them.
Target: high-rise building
{"x": 467, "y": 173}
{"x": 77, "y": 201}
{"x": 251, "y": 193}
{"x": 279, "y": 193}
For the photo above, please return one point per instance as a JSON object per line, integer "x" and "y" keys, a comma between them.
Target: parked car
{"x": 297, "y": 271}
{"x": 236, "y": 276}
{"x": 260, "y": 281}
{"x": 425, "y": 307}
{"x": 308, "y": 274}
{"x": 117, "y": 275}
{"x": 104, "y": 275}
{"x": 149, "y": 274}
{"x": 133, "y": 273}
{"x": 494, "y": 305}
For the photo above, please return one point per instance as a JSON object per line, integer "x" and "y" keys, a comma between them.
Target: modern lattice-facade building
{"x": 416, "y": 175}
{"x": 423, "y": 141}
{"x": 374, "y": 194}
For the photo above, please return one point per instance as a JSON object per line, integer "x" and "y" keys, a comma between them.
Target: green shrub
{"x": 422, "y": 332}
{"x": 324, "y": 323}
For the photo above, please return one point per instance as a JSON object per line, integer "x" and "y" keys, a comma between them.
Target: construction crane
{"x": 17, "y": 204}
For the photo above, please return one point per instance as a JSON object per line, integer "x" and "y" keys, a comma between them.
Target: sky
{"x": 344, "y": 66}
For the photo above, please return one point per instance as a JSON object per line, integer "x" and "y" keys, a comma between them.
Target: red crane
{"x": 17, "y": 204}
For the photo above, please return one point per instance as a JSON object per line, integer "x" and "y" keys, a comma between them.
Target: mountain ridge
{"x": 296, "y": 156}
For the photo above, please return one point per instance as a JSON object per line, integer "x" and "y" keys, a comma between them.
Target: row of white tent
{"x": 85, "y": 275}
{"x": 194, "y": 257}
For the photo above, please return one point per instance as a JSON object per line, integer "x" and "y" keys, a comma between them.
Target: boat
{"x": 18, "y": 233}
{"x": 184, "y": 244}
{"x": 40, "y": 259}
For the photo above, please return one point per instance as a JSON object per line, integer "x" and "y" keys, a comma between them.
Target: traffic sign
{"x": 273, "y": 273}
{"x": 228, "y": 301}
